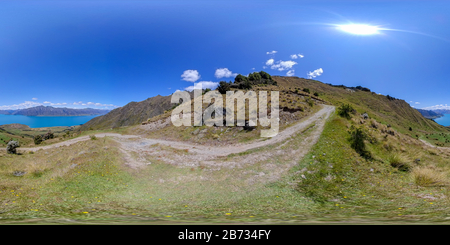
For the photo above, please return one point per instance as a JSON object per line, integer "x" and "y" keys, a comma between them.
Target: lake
{"x": 444, "y": 121}
{"x": 39, "y": 122}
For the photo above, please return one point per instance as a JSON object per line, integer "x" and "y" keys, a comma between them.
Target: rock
{"x": 19, "y": 173}
{"x": 11, "y": 147}
{"x": 248, "y": 125}
{"x": 365, "y": 115}
{"x": 195, "y": 132}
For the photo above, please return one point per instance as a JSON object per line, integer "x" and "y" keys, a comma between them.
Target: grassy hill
{"x": 133, "y": 113}
{"x": 372, "y": 168}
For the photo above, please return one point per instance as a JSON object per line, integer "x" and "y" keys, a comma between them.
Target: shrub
{"x": 37, "y": 139}
{"x": 357, "y": 137}
{"x": 306, "y": 90}
{"x": 316, "y": 94}
{"x": 93, "y": 137}
{"x": 345, "y": 110}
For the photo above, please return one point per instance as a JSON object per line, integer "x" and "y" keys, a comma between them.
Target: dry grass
{"x": 399, "y": 161}
{"x": 428, "y": 176}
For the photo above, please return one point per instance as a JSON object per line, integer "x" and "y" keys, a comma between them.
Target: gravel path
{"x": 199, "y": 149}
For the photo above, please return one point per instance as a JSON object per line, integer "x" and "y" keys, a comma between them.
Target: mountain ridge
{"x": 54, "y": 111}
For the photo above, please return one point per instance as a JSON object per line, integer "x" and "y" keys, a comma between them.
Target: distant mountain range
{"x": 54, "y": 111}
{"x": 432, "y": 114}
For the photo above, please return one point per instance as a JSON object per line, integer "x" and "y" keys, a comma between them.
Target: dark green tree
{"x": 223, "y": 87}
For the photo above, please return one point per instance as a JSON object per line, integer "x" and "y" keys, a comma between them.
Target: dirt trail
{"x": 199, "y": 149}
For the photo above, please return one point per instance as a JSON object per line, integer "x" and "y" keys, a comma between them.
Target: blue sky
{"x": 105, "y": 54}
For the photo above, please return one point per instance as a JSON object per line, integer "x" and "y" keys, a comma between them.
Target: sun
{"x": 359, "y": 29}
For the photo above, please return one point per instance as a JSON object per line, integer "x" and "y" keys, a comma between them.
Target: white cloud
{"x": 190, "y": 75}
{"x": 47, "y": 102}
{"x": 283, "y": 65}
{"x": 24, "y": 105}
{"x": 417, "y": 103}
{"x": 224, "y": 72}
{"x": 314, "y": 73}
{"x": 203, "y": 85}
{"x": 272, "y": 52}
{"x": 269, "y": 62}
{"x": 34, "y": 98}
{"x": 437, "y": 107}
{"x": 296, "y": 56}
{"x": 290, "y": 73}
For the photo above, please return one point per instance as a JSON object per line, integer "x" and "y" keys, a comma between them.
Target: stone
{"x": 365, "y": 115}
{"x": 19, "y": 173}
{"x": 11, "y": 147}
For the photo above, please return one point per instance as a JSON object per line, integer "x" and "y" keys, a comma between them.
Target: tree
{"x": 265, "y": 75}
{"x": 223, "y": 87}
{"x": 245, "y": 85}
{"x": 239, "y": 78}
{"x": 255, "y": 76}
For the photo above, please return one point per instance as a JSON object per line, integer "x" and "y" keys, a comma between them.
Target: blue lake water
{"x": 39, "y": 122}
{"x": 444, "y": 121}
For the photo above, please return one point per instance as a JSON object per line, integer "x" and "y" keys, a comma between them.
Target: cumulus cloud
{"x": 283, "y": 65}
{"x": 224, "y": 72}
{"x": 270, "y": 62}
{"x": 190, "y": 75}
{"x": 290, "y": 73}
{"x": 272, "y": 52}
{"x": 315, "y": 73}
{"x": 24, "y": 105}
{"x": 203, "y": 85}
{"x": 437, "y": 107}
{"x": 296, "y": 56}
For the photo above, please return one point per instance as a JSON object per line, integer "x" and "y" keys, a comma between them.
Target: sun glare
{"x": 359, "y": 29}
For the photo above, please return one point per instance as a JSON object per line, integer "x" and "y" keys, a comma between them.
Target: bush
{"x": 306, "y": 90}
{"x": 345, "y": 110}
{"x": 93, "y": 137}
{"x": 316, "y": 94}
{"x": 357, "y": 137}
{"x": 223, "y": 87}
{"x": 37, "y": 139}
{"x": 255, "y": 76}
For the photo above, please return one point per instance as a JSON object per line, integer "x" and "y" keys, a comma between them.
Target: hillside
{"x": 385, "y": 109}
{"x": 430, "y": 114}
{"x": 133, "y": 113}
{"x": 53, "y": 111}
{"x": 323, "y": 166}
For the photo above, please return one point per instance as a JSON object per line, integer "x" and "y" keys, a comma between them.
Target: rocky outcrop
{"x": 11, "y": 147}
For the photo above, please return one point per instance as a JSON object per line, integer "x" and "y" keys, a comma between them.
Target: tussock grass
{"x": 399, "y": 161}
{"x": 428, "y": 176}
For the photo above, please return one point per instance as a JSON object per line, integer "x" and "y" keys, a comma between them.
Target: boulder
{"x": 247, "y": 125}
{"x": 365, "y": 115}
{"x": 11, "y": 147}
